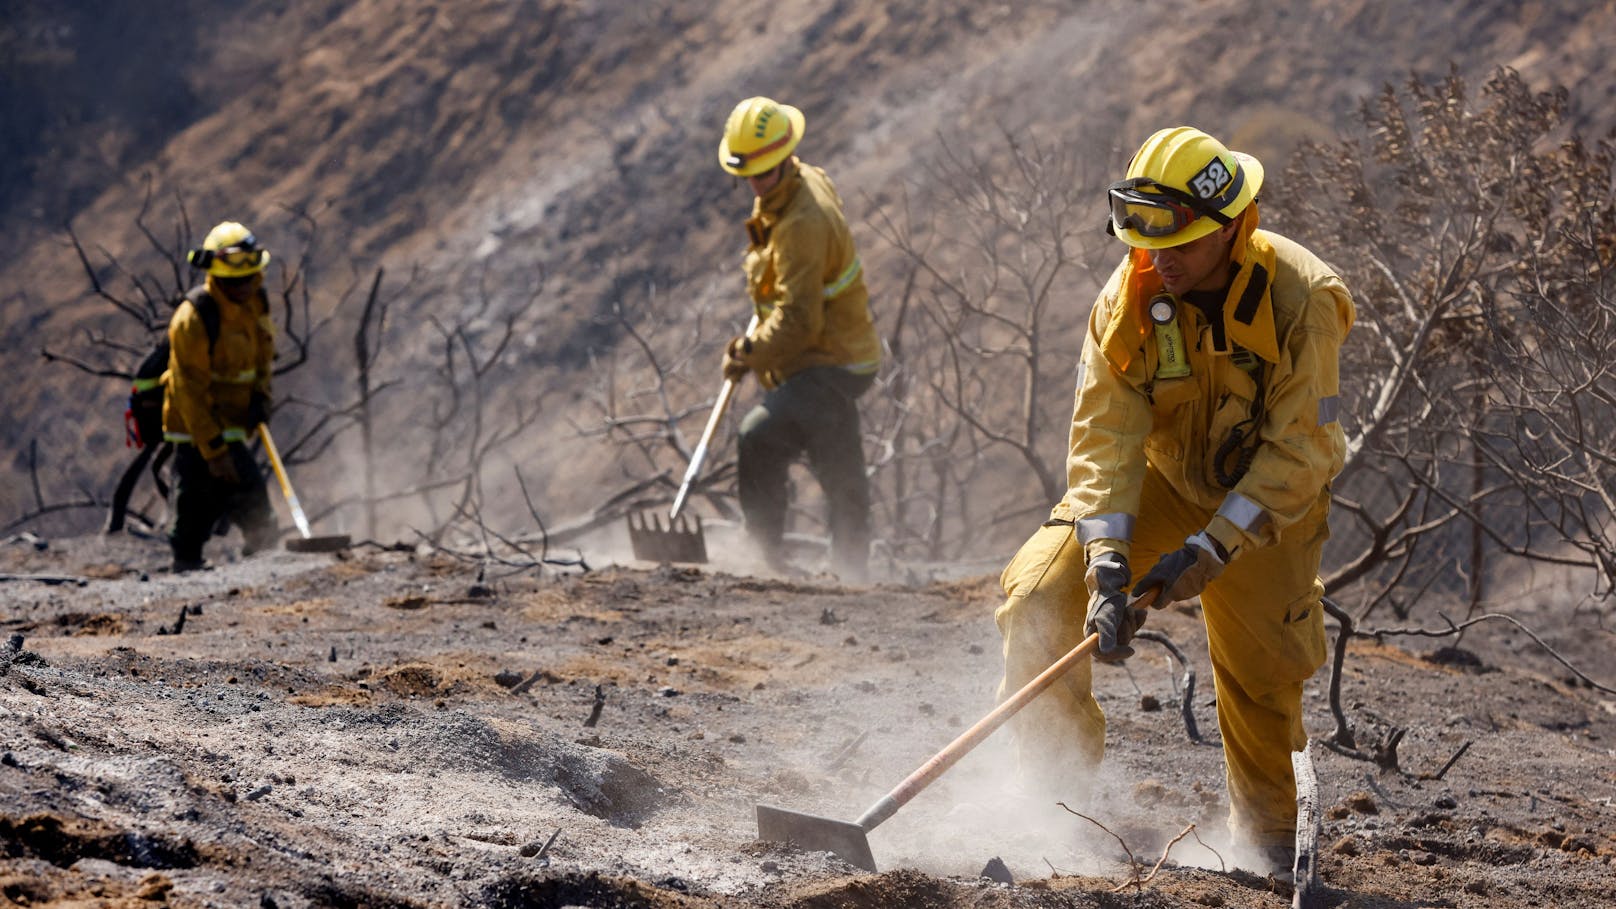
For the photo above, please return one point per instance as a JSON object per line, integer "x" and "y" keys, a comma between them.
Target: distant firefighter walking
{"x": 216, "y": 392}
{"x": 815, "y": 349}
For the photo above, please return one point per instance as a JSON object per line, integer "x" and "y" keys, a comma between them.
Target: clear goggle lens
{"x": 240, "y": 256}
{"x": 1149, "y": 214}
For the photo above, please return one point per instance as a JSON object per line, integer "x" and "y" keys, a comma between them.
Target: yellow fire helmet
{"x": 759, "y": 134}
{"x": 229, "y": 251}
{"x": 1182, "y": 185}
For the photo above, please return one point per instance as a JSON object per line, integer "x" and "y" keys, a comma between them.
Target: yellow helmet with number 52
{"x": 1182, "y": 185}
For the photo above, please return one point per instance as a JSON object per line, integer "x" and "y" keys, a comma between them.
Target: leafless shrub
{"x": 462, "y": 412}
{"x": 141, "y": 301}
{"x": 656, "y": 389}
{"x": 1000, "y": 271}
{"x": 1478, "y": 238}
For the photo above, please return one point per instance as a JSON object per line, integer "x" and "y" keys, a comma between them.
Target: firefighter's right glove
{"x": 735, "y": 368}
{"x": 1109, "y": 613}
{"x": 222, "y": 467}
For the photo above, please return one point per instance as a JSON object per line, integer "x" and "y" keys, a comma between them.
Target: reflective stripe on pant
{"x": 814, "y": 412}
{"x": 1265, "y": 637}
{"x": 201, "y": 499}
{"x": 1059, "y": 736}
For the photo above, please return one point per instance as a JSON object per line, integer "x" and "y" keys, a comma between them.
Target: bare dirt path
{"x": 392, "y": 730}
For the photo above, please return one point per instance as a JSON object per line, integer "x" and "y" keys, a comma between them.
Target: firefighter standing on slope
{"x": 1203, "y": 442}
{"x": 221, "y": 346}
{"x": 815, "y": 349}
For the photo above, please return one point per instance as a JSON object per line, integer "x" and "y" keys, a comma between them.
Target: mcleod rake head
{"x": 680, "y": 541}
{"x": 330, "y": 543}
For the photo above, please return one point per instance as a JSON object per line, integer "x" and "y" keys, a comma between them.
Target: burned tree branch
{"x": 1186, "y": 703}
{"x": 1452, "y": 629}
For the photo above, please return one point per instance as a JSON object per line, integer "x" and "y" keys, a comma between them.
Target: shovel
{"x": 682, "y": 540}
{"x": 850, "y": 841}
{"x": 308, "y": 543}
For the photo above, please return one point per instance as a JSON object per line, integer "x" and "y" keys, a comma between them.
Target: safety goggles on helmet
{"x": 1159, "y": 213}
{"x": 243, "y": 253}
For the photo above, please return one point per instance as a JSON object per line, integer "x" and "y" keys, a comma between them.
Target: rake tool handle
{"x": 298, "y": 517}
{"x": 970, "y": 738}
{"x": 700, "y": 454}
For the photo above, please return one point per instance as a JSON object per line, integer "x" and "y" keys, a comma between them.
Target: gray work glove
{"x": 1110, "y": 616}
{"x": 1184, "y": 572}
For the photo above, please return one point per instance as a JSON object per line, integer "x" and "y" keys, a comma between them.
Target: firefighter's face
{"x": 762, "y": 183}
{"x": 240, "y": 290}
{"x": 1201, "y": 264}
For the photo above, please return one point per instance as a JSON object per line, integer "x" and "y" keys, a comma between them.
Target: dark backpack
{"x": 143, "y": 419}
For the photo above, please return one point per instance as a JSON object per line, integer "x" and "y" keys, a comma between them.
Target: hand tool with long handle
{"x": 682, "y": 540}
{"x": 700, "y": 454}
{"x": 309, "y": 542}
{"x": 851, "y": 841}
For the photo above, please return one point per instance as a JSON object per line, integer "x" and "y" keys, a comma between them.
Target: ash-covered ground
{"x": 386, "y": 728}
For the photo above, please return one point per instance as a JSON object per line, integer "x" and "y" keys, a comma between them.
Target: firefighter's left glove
{"x": 1184, "y": 572}
{"x": 1110, "y": 616}
{"x": 257, "y": 410}
{"x": 735, "y": 367}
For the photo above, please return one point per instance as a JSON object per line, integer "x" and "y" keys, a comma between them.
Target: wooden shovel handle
{"x": 970, "y": 738}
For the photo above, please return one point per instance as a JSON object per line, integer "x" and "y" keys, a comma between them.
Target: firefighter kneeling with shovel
{"x": 1202, "y": 447}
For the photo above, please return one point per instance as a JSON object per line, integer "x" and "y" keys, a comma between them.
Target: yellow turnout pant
{"x": 1265, "y": 636}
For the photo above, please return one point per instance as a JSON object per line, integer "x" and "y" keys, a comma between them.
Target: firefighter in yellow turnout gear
{"x": 1203, "y": 442}
{"x": 815, "y": 349}
{"x": 216, "y": 392}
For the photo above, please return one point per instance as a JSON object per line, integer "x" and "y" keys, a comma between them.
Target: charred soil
{"x": 392, "y": 729}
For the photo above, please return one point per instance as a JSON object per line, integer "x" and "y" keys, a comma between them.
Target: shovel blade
{"x": 816, "y": 834}
{"x": 680, "y": 541}
{"x": 332, "y": 543}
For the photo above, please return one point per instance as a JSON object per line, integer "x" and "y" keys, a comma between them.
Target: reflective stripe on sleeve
{"x": 1243, "y": 513}
{"x": 230, "y": 434}
{"x": 148, "y": 384}
{"x": 844, "y": 280}
{"x": 1117, "y": 525}
{"x": 240, "y": 378}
